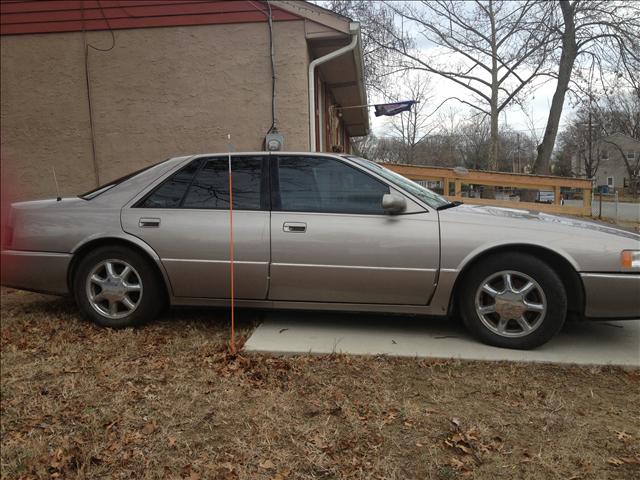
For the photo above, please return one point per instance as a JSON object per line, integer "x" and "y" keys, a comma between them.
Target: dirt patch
{"x": 166, "y": 401}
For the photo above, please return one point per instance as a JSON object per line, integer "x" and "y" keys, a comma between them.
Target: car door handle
{"x": 149, "y": 222}
{"x": 294, "y": 227}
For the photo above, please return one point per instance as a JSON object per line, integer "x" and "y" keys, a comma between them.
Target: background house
{"x": 99, "y": 88}
{"x": 609, "y": 164}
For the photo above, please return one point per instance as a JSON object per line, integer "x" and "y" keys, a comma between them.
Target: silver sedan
{"x": 321, "y": 232}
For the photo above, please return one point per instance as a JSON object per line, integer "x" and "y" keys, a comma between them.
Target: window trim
{"x": 264, "y": 184}
{"x": 276, "y": 200}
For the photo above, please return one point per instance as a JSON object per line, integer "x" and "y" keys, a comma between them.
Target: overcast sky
{"x": 537, "y": 104}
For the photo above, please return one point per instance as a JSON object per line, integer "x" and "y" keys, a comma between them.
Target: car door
{"x": 331, "y": 241}
{"x": 186, "y": 221}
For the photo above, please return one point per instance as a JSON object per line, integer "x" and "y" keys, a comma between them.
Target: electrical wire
{"x": 87, "y": 46}
{"x": 269, "y": 16}
{"x": 273, "y": 70}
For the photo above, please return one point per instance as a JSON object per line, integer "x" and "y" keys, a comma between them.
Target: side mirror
{"x": 393, "y": 203}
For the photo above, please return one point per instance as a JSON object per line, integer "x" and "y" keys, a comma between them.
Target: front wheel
{"x": 513, "y": 301}
{"x": 117, "y": 287}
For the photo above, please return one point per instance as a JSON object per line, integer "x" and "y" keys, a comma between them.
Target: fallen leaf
{"x": 624, "y": 436}
{"x": 615, "y": 462}
{"x": 172, "y": 441}
{"x": 282, "y": 474}
{"x": 631, "y": 460}
{"x": 149, "y": 428}
{"x": 267, "y": 465}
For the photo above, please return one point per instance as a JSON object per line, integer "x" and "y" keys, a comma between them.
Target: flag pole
{"x": 362, "y": 106}
{"x": 231, "y": 256}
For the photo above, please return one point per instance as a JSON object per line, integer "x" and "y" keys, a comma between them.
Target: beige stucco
{"x": 159, "y": 92}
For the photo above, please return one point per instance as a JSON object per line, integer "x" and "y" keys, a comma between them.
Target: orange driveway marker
{"x": 231, "y": 261}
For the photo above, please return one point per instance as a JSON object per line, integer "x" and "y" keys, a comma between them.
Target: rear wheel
{"x": 117, "y": 287}
{"x": 513, "y": 300}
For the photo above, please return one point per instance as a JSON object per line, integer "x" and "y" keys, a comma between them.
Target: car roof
{"x": 263, "y": 153}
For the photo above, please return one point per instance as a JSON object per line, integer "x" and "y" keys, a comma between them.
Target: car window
{"x": 314, "y": 184}
{"x": 210, "y": 188}
{"x": 172, "y": 191}
{"x": 427, "y": 196}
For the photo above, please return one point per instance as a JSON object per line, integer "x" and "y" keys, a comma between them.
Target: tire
{"x": 138, "y": 297}
{"x": 512, "y": 300}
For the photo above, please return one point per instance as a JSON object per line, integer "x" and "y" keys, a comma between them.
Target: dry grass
{"x": 166, "y": 401}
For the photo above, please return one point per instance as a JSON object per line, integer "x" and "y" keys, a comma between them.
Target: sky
{"x": 537, "y": 105}
{"x": 513, "y": 118}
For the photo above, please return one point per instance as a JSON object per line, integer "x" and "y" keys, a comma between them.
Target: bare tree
{"x": 412, "y": 126}
{"x": 582, "y": 137}
{"x": 378, "y": 30}
{"x": 603, "y": 34}
{"x": 493, "y": 49}
{"x": 621, "y": 114}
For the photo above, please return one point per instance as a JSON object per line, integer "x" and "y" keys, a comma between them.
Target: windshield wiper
{"x": 449, "y": 205}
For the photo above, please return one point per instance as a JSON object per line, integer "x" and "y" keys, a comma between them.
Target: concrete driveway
{"x": 600, "y": 343}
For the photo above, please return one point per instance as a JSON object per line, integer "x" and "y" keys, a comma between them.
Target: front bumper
{"x": 37, "y": 271}
{"x": 612, "y": 295}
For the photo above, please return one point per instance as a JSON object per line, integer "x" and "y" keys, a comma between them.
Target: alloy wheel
{"x": 510, "y": 304}
{"x": 114, "y": 288}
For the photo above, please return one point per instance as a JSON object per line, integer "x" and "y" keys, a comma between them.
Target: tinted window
{"x": 171, "y": 192}
{"x": 210, "y": 188}
{"x": 312, "y": 184}
{"x": 424, "y": 194}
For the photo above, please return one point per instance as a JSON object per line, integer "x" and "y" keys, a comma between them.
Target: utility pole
{"x": 589, "y": 135}
{"x": 518, "y": 171}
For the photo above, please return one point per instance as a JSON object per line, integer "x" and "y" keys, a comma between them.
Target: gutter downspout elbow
{"x": 354, "y": 29}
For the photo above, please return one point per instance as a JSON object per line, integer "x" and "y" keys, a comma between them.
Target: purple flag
{"x": 390, "y": 109}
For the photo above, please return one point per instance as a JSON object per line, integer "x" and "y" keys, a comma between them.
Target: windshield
{"x": 427, "y": 196}
{"x": 108, "y": 186}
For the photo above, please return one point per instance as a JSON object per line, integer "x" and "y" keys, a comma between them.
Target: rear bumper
{"x": 612, "y": 295}
{"x": 37, "y": 271}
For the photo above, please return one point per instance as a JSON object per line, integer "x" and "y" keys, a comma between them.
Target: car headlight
{"x": 630, "y": 259}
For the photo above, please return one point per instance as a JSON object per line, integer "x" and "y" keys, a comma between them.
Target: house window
{"x": 610, "y": 181}
{"x": 604, "y": 155}
{"x": 631, "y": 156}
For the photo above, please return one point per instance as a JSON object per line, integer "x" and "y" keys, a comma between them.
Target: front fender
{"x": 489, "y": 247}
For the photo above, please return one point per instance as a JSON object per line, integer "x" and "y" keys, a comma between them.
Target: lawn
{"x": 168, "y": 401}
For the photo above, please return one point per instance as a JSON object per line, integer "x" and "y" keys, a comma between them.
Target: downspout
{"x": 354, "y": 29}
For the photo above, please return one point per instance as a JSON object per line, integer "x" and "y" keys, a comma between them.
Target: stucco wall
{"x": 159, "y": 92}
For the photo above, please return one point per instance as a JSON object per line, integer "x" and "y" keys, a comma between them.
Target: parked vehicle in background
{"x": 321, "y": 232}
{"x": 545, "y": 197}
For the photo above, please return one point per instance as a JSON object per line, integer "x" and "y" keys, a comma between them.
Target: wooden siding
{"x": 48, "y": 16}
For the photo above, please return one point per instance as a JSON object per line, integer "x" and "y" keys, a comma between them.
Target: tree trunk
{"x": 490, "y": 191}
{"x": 493, "y": 152}
{"x": 565, "y": 69}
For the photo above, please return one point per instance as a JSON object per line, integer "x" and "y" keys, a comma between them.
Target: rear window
{"x": 108, "y": 186}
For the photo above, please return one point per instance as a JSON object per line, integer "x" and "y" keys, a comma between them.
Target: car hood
{"x": 533, "y": 219}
